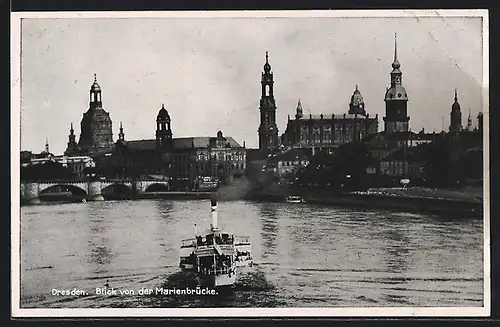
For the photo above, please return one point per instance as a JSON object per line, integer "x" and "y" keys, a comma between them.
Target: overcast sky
{"x": 207, "y": 71}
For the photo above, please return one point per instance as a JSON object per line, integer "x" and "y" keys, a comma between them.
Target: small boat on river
{"x": 215, "y": 255}
{"x": 294, "y": 199}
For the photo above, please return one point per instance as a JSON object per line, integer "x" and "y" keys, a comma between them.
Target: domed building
{"x": 189, "y": 162}
{"x": 330, "y": 130}
{"x": 96, "y": 127}
{"x": 163, "y": 130}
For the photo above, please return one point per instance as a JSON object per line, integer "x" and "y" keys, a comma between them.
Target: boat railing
{"x": 188, "y": 242}
{"x": 218, "y": 271}
{"x": 242, "y": 239}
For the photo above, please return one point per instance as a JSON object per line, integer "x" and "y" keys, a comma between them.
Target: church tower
{"x": 299, "y": 112}
{"x": 47, "y": 149}
{"x": 469, "y": 127}
{"x": 121, "y": 135}
{"x": 357, "y": 104}
{"x": 396, "y": 100}
{"x": 72, "y": 142}
{"x": 163, "y": 130}
{"x": 268, "y": 131}
{"x": 96, "y": 125}
{"x": 455, "y": 116}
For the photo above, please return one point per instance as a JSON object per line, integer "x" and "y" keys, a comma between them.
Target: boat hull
{"x": 219, "y": 280}
{"x": 188, "y": 266}
{"x": 244, "y": 261}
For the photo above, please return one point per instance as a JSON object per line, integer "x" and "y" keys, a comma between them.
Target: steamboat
{"x": 215, "y": 256}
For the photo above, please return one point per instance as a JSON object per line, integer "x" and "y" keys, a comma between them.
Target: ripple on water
{"x": 305, "y": 255}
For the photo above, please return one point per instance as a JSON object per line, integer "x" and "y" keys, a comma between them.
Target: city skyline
{"x": 208, "y": 84}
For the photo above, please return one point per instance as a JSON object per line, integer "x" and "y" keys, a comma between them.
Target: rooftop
{"x": 181, "y": 143}
{"x": 335, "y": 116}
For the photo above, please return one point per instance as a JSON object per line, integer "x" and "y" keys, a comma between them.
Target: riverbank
{"x": 173, "y": 195}
{"x": 170, "y": 195}
{"x": 459, "y": 203}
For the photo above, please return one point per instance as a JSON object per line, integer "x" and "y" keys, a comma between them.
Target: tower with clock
{"x": 396, "y": 100}
{"x": 268, "y": 131}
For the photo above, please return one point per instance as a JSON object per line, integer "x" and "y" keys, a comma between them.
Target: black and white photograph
{"x": 250, "y": 163}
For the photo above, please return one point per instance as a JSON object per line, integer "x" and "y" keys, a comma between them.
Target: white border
{"x": 16, "y": 311}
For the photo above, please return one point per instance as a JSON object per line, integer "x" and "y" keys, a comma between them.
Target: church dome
{"x": 356, "y": 98}
{"x": 267, "y": 66}
{"x": 396, "y": 92}
{"x": 95, "y": 86}
{"x": 163, "y": 114}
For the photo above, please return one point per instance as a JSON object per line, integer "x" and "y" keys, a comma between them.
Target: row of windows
{"x": 398, "y": 168}
{"x": 204, "y": 169}
{"x": 221, "y": 156}
{"x": 337, "y": 127}
{"x": 291, "y": 163}
{"x": 316, "y": 138}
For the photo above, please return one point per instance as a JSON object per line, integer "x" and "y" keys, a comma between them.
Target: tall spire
{"x": 46, "y": 145}
{"x": 469, "y": 122}
{"x": 121, "y": 135}
{"x": 268, "y": 131}
{"x": 395, "y": 46}
{"x": 267, "y": 66}
{"x": 456, "y": 98}
{"x": 395, "y": 64}
{"x": 357, "y": 87}
{"x": 95, "y": 78}
{"x": 71, "y": 141}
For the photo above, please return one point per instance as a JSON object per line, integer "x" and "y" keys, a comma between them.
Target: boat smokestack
{"x": 213, "y": 210}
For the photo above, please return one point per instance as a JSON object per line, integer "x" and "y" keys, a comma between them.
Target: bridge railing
{"x": 107, "y": 180}
{"x": 53, "y": 181}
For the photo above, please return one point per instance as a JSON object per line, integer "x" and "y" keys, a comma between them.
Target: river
{"x": 305, "y": 255}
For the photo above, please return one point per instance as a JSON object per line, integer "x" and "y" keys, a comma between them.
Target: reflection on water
{"x": 269, "y": 224}
{"x": 306, "y": 256}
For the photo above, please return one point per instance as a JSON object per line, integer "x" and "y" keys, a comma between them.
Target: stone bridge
{"x": 91, "y": 190}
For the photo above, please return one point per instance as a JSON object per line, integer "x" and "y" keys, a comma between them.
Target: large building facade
{"x": 268, "y": 130}
{"x": 330, "y": 130}
{"x": 186, "y": 160}
{"x": 96, "y": 136}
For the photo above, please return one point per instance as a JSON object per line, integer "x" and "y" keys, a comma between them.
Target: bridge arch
{"x": 75, "y": 190}
{"x": 157, "y": 187}
{"x": 117, "y": 191}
